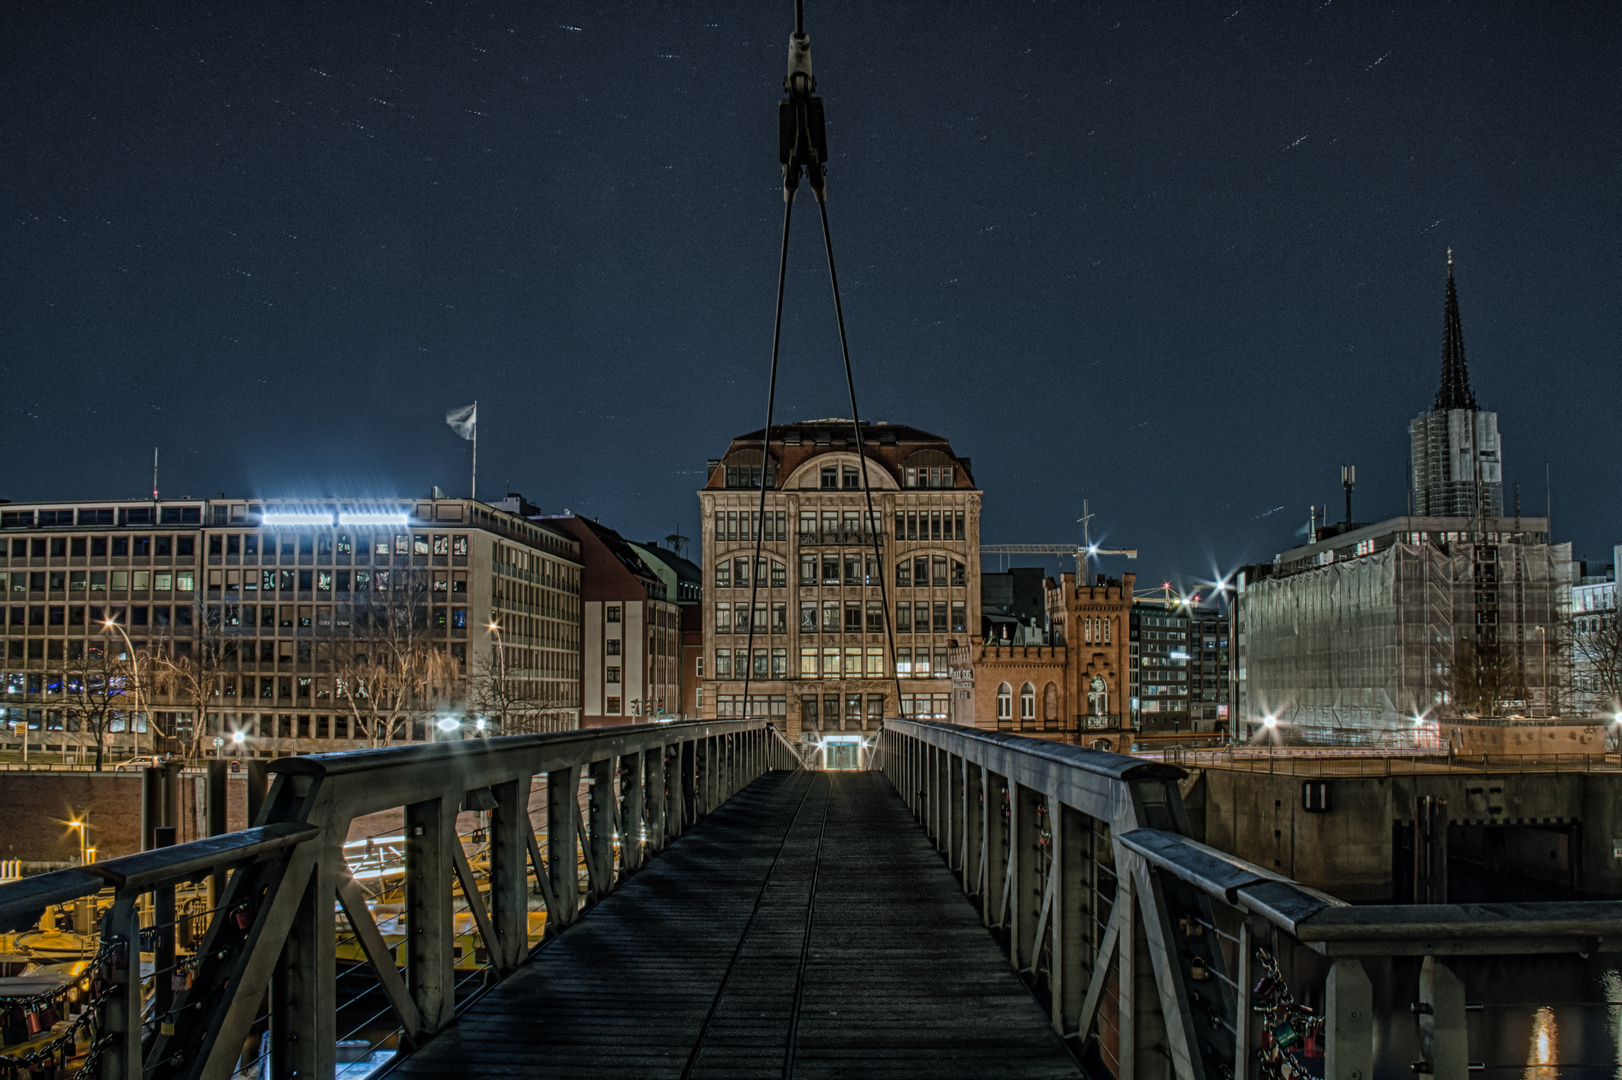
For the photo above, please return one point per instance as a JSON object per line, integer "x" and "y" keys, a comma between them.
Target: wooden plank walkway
{"x": 805, "y": 929}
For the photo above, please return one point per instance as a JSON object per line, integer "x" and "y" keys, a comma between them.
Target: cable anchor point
{"x": 802, "y": 137}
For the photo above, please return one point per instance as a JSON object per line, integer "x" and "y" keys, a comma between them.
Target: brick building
{"x": 821, "y": 660}
{"x": 1074, "y": 687}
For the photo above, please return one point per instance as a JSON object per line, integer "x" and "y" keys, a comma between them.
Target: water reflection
{"x": 1542, "y": 1052}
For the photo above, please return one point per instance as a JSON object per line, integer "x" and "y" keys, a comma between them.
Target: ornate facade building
{"x": 824, "y": 605}
{"x": 1074, "y": 688}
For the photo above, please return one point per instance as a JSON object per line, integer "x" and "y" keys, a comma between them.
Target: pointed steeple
{"x": 1455, "y": 392}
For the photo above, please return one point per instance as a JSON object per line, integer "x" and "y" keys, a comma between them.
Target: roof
{"x": 890, "y": 445}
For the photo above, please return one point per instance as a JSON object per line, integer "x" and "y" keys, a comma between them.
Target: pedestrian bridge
{"x": 688, "y": 900}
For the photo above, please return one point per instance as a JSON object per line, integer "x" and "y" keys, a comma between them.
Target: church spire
{"x": 1455, "y": 392}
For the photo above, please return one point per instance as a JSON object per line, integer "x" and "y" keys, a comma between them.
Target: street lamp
{"x": 1543, "y": 636}
{"x": 83, "y": 829}
{"x": 135, "y": 681}
{"x": 501, "y": 673}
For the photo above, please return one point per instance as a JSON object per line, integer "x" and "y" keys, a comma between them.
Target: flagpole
{"x": 475, "y": 492}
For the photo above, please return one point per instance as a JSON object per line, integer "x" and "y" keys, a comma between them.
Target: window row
{"x": 324, "y": 545}
{"x": 854, "y": 569}
{"x": 847, "y": 617}
{"x": 773, "y": 706}
{"x": 930, "y": 525}
{"x": 97, "y": 580}
{"x": 850, "y": 661}
{"x": 734, "y": 573}
{"x": 98, "y": 547}
{"x": 103, "y": 515}
{"x": 746, "y": 525}
{"x": 828, "y": 710}
{"x": 264, "y": 616}
{"x": 322, "y": 580}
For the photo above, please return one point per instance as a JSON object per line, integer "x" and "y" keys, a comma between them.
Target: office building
{"x": 821, "y": 663}
{"x": 294, "y": 625}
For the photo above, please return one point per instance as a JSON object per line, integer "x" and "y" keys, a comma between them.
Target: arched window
{"x": 1027, "y": 702}
{"x": 1108, "y": 623}
{"x": 1005, "y": 702}
{"x": 1050, "y": 703}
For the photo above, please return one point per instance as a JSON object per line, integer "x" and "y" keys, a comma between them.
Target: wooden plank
{"x": 901, "y": 978}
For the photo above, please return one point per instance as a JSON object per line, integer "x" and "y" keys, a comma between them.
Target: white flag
{"x": 464, "y": 420}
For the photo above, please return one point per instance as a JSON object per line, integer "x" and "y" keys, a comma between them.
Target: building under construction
{"x": 1375, "y": 633}
{"x": 1378, "y": 633}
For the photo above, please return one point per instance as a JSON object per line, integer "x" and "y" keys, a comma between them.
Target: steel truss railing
{"x": 267, "y": 960}
{"x": 1151, "y": 948}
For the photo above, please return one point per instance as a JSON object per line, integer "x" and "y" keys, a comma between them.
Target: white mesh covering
{"x": 1357, "y": 649}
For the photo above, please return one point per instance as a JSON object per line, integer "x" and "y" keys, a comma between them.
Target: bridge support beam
{"x": 974, "y": 829}
{"x": 654, "y": 796}
{"x": 632, "y": 811}
{"x": 509, "y": 873}
{"x": 1071, "y": 913}
{"x": 601, "y": 806}
{"x": 1024, "y": 878}
{"x": 430, "y": 830}
{"x": 1348, "y": 1022}
{"x": 562, "y": 865}
{"x": 994, "y": 899}
{"x": 303, "y": 1006}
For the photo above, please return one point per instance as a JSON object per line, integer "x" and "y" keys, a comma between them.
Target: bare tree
{"x": 98, "y": 690}
{"x": 394, "y": 672}
{"x": 1486, "y": 681}
{"x": 1597, "y": 648}
{"x": 186, "y": 665}
{"x": 515, "y": 703}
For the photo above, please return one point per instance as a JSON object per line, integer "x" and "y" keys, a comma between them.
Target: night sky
{"x": 1181, "y": 261}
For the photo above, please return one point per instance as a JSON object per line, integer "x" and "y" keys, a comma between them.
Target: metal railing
{"x": 246, "y": 981}
{"x": 1160, "y": 956}
{"x": 1328, "y": 762}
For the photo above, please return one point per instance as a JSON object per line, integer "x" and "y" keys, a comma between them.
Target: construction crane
{"x": 1086, "y": 550}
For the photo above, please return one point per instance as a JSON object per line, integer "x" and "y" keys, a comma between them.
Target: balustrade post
{"x": 1348, "y": 1022}
{"x": 689, "y": 784}
{"x": 974, "y": 821}
{"x": 600, "y": 803}
{"x": 654, "y": 797}
{"x": 430, "y": 830}
{"x": 1025, "y": 888}
{"x": 996, "y": 831}
{"x": 303, "y": 990}
{"x": 562, "y": 865}
{"x": 509, "y": 873}
{"x": 631, "y": 810}
{"x": 1069, "y": 914}
{"x": 121, "y": 1060}
{"x": 954, "y": 811}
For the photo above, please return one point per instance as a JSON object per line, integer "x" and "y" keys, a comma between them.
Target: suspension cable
{"x": 874, "y": 524}
{"x": 765, "y": 457}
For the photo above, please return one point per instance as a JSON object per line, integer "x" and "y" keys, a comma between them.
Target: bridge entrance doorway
{"x": 841, "y": 752}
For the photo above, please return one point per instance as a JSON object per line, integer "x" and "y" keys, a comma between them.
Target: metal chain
{"x": 1289, "y": 1025}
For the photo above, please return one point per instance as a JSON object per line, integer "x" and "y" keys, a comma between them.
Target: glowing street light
{"x": 1270, "y": 721}
{"x": 83, "y": 829}
{"x": 239, "y": 736}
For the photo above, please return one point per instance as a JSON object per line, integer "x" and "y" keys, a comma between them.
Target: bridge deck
{"x": 806, "y": 929}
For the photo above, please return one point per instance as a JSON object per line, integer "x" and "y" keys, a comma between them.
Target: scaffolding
{"x": 1379, "y": 648}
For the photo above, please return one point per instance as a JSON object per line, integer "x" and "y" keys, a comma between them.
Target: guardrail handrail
{"x": 1082, "y": 864}
{"x": 272, "y": 927}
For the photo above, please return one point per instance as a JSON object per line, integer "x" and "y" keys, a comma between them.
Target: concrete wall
{"x": 1348, "y": 850}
